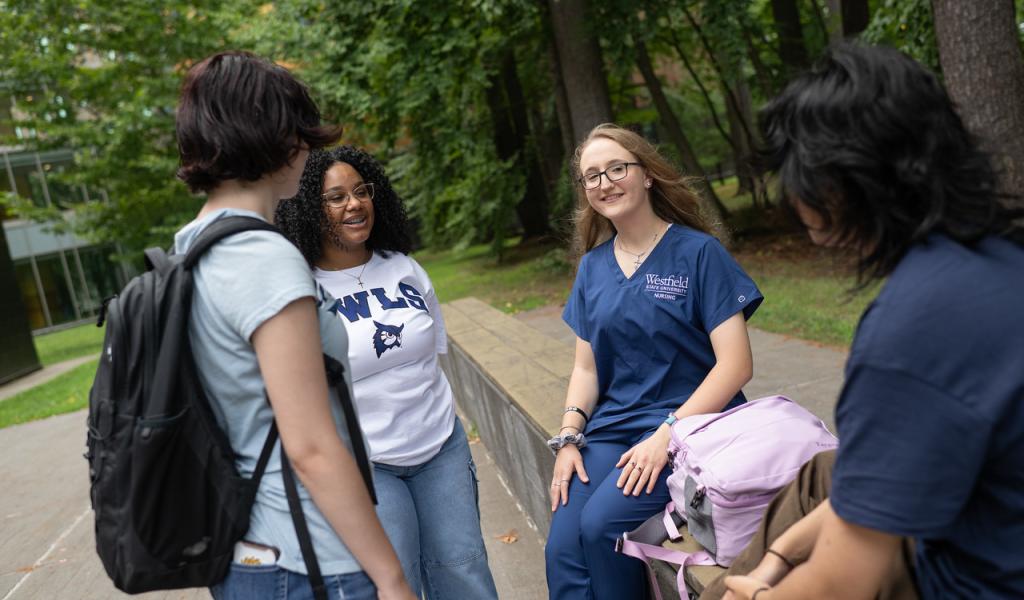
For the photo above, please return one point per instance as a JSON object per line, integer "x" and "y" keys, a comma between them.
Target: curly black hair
{"x": 871, "y": 142}
{"x": 303, "y": 218}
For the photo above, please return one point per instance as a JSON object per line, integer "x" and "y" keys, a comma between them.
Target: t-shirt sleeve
{"x": 909, "y": 453}
{"x": 575, "y": 312}
{"x": 725, "y": 288}
{"x": 258, "y": 273}
{"x": 433, "y": 307}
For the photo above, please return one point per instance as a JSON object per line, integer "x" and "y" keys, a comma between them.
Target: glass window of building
{"x": 55, "y": 288}
{"x": 30, "y": 294}
{"x": 101, "y": 275}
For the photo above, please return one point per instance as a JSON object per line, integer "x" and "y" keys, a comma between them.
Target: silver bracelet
{"x": 569, "y": 439}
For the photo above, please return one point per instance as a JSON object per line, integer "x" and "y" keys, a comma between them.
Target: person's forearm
{"x": 333, "y": 479}
{"x": 720, "y": 386}
{"x": 581, "y": 393}
{"x": 797, "y": 542}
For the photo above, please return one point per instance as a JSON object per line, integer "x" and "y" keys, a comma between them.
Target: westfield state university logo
{"x": 667, "y": 287}
{"x": 387, "y": 337}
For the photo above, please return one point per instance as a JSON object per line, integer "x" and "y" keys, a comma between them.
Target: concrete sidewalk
{"x": 809, "y": 373}
{"x": 47, "y": 547}
{"x": 46, "y": 550}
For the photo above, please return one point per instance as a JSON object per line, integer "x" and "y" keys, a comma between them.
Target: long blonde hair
{"x": 671, "y": 197}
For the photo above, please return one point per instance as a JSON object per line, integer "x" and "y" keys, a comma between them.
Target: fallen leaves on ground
{"x": 509, "y": 537}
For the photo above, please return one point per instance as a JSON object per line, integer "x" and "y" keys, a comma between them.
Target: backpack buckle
{"x": 698, "y": 497}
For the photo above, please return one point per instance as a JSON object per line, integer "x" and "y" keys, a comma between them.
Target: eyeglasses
{"x": 616, "y": 172}
{"x": 337, "y": 198}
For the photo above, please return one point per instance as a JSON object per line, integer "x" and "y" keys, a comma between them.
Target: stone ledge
{"x": 510, "y": 379}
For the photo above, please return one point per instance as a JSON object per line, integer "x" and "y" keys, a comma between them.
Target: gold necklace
{"x": 359, "y": 277}
{"x": 639, "y": 257}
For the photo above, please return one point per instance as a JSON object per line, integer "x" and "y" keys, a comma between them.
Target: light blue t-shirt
{"x": 240, "y": 283}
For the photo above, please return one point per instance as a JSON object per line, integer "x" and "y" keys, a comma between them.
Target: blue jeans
{"x": 431, "y": 515}
{"x": 274, "y": 583}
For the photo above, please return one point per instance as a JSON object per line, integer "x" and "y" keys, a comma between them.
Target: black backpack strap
{"x": 316, "y": 580}
{"x": 268, "y": 448}
{"x": 220, "y": 229}
{"x": 336, "y": 377}
{"x": 156, "y": 260}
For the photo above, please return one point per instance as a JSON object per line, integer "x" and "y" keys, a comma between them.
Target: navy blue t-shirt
{"x": 931, "y": 418}
{"x": 650, "y": 332}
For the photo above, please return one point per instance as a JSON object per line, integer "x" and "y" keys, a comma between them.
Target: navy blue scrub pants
{"x": 580, "y": 554}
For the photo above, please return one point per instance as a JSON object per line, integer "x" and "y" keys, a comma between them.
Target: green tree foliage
{"x": 907, "y": 26}
{"x": 101, "y": 77}
{"x": 409, "y": 81}
{"x": 418, "y": 83}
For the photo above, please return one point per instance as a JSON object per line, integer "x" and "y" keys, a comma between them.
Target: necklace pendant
{"x": 360, "y": 281}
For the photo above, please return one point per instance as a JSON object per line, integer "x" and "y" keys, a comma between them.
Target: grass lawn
{"x": 65, "y": 344}
{"x": 806, "y": 288}
{"x": 527, "y": 277}
{"x": 66, "y": 393}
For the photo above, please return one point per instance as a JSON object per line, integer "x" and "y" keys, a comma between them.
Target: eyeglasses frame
{"x": 605, "y": 173}
{"x": 349, "y": 195}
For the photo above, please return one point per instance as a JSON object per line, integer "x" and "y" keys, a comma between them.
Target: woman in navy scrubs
{"x": 659, "y": 309}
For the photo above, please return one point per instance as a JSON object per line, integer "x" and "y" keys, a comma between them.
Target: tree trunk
{"x": 581, "y": 66}
{"x": 980, "y": 53}
{"x": 855, "y": 16}
{"x": 511, "y": 133}
{"x": 847, "y": 18}
{"x": 561, "y": 102}
{"x": 713, "y": 207}
{"x": 741, "y": 147}
{"x": 765, "y": 78}
{"x": 792, "y": 50}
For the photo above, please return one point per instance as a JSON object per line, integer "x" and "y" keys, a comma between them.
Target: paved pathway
{"x": 47, "y": 545}
{"x": 809, "y": 373}
{"x": 46, "y": 548}
{"x": 41, "y": 376}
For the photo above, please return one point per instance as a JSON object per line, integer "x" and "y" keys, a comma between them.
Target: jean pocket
{"x": 245, "y": 582}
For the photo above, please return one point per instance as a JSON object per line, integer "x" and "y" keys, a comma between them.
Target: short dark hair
{"x": 303, "y": 219}
{"x": 870, "y": 141}
{"x": 242, "y": 117}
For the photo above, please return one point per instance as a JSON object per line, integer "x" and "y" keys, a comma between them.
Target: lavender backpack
{"x": 726, "y": 469}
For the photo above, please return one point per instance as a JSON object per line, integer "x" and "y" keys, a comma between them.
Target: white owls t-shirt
{"x": 396, "y": 334}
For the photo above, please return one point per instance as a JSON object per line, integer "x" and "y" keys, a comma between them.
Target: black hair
{"x": 870, "y": 141}
{"x": 243, "y": 117}
{"x": 304, "y": 220}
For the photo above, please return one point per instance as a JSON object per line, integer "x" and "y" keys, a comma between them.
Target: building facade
{"x": 62, "y": 278}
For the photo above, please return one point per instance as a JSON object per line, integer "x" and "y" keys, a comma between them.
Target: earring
{"x": 647, "y": 183}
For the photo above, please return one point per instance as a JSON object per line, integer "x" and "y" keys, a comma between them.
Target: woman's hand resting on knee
{"x": 567, "y": 462}
{"x": 644, "y": 463}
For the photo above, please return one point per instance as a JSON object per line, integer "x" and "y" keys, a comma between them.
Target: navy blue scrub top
{"x": 650, "y": 332}
{"x": 931, "y": 417}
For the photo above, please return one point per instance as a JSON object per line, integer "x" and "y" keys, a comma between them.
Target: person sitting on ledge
{"x": 659, "y": 308}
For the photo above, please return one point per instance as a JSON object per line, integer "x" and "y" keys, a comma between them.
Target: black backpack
{"x": 168, "y": 501}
